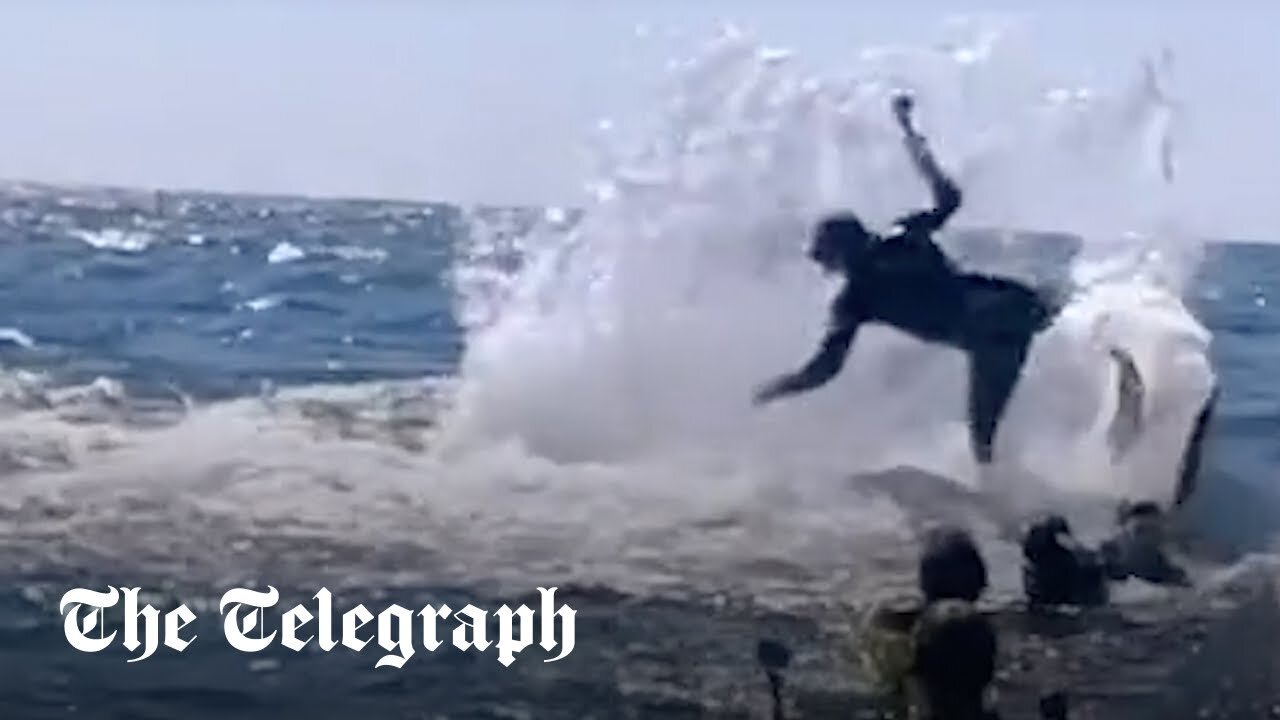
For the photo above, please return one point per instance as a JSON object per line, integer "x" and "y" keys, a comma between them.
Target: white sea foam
{"x": 641, "y": 331}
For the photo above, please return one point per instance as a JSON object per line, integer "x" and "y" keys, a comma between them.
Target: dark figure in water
{"x": 1138, "y": 549}
{"x": 951, "y": 567}
{"x": 905, "y": 281}
{"x": 1059, "y": 571}
{"x": 934, "y": 656}
{"x": 954, "y": 644}
{"x": 955, "y": 661}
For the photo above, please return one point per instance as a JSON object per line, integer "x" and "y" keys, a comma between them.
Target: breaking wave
{"x": 638, "y": 330}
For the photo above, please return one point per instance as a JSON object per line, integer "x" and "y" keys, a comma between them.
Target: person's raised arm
{"x": 946, "y": 195}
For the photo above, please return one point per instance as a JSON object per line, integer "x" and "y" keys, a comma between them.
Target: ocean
{"x": 235, "y": 390}
{"x": 424, "y": 403}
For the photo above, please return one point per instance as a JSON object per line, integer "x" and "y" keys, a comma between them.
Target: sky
{"x": 492, "y": 100}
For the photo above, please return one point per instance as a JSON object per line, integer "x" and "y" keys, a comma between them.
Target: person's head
{"x": 951, "y": 568}
{"x": 1059, "y": 570}
{"x": 1047, "y": 538}
{"x": 837, "y": 242}
{"x": 1143, "y": 524}
{"x": 955, "y": 659}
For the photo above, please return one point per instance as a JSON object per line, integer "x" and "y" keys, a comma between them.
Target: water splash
{"x": 638, "y": 331}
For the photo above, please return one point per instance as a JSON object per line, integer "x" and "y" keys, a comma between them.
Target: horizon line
{"x": 9, "y": 184}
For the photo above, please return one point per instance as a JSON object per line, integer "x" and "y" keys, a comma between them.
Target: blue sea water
{"x": 130, "y": 312}
{"x": 225, "y": 293}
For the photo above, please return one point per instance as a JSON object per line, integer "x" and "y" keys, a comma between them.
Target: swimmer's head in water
{"x": 1049, "y": 535}
{"x": 1143, "y": 524}
{"x": 951, "y": 567}
{"x": 838, "y": 241}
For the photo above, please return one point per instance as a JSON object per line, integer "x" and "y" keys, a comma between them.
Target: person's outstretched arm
{"x": 826, "y": 363}
{"x": 821, "y": 368}
{"x": 946, "y": 195}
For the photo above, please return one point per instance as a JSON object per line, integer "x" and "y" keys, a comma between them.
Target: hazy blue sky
{"x": 490, "y": 99}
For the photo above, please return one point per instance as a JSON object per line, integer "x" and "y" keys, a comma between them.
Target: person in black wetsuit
{"x": 906, "y": 281}
{"x": 1058, "y": 570}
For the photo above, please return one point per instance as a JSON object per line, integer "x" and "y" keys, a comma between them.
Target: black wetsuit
{"x": 905, "y": 281}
